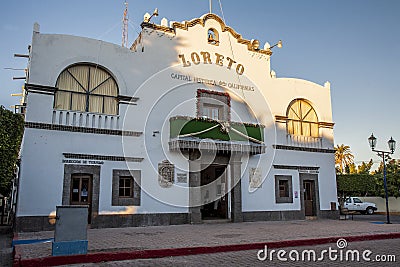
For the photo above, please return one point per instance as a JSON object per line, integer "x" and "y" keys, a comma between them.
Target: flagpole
{"x": 210, "y": 6}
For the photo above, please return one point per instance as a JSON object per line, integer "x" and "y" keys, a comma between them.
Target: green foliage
{"x": 351, "y": 168}
{"x": 356, "y": 184}
{"x": 365, "y": 183}
{"x": 343, "y": 158}
{"x": 11, "y": 131}
{"x": 365, "y": 168}
{"x": 392, "y": 178}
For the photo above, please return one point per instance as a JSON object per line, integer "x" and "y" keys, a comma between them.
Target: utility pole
{"x": 125, "y": 26}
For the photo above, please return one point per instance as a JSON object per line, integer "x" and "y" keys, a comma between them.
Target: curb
{"x": 170, "y": 252}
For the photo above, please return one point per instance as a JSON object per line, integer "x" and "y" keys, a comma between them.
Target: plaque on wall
{"x": 255, "y": 178}
{"x": 166, "y": 173}
{"x": 181, "y": 178}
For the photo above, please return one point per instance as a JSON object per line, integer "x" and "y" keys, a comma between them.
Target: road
{"x": 382, "y": 249}
{"x": 377, "y": 218}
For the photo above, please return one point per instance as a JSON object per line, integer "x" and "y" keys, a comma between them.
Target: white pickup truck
{"x": 355, "y": 204}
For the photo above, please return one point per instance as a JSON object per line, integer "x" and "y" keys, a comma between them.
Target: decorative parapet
{"x": 202, "y": 128}
{"x": 202, "y": 21}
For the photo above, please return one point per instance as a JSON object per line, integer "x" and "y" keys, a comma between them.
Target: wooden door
{"x": 309, "y": 198}
{"x": 81, "y": 191}
{"x": 223, "y": 208}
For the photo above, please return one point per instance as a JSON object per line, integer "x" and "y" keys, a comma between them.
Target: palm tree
{"x": 343, "y": 157}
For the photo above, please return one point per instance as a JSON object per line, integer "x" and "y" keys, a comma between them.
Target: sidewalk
{"x": 5, "y": 246}
{"x": 160, "y": 241}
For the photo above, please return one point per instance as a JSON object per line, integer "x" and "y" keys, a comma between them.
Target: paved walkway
{"x": 140, "y": 239}
{"x": 5, "y": 246}
{"x": 383, "y": 253}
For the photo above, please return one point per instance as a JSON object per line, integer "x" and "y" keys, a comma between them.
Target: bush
{"x": 11, "y": 131}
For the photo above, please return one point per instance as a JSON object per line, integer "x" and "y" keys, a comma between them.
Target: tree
{"x": 365, "y": 168}
{"x": 392, "y": 178}
{"x": 351, "y": 168}
{"x": 343, "y": 157}
{"x": 11, "y": 131}
{"x": 355, "y": 185}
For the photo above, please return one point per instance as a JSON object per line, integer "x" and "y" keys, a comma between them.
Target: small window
{"x": 213, "y": 36}
{"x": 126, "y": 189}
{"x": 357, "y": 200}
{"x": 283, "y": 189}
{"x": 212, "y": 111}
{"x": 213, "y": 105}
{"x": 348, "y": 200}
{"x": 125, "y": 186}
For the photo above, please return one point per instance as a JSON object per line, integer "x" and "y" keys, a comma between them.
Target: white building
{"x": 187, "y": 125}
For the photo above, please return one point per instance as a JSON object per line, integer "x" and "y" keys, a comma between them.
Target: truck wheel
{"x": 370, "y": 211}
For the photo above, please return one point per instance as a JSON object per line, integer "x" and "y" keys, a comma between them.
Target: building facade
{"x": 188, "y": 124}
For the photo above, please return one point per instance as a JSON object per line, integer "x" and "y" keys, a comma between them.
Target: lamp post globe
{"x": 372, "y": 141}
{"x": 392, "y": 144}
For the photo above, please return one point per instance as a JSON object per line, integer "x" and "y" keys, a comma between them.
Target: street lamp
{"x": 384, "y": 155}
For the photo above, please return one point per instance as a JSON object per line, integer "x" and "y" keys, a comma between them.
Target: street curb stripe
{"x": 171, "y": 252}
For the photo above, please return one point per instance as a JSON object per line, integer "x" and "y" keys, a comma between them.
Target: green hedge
{"x": 11, "y": 131}
{"x": 356, "y": 184}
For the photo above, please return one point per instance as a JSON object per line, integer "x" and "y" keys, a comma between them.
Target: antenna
{"x": 125, "y": 26}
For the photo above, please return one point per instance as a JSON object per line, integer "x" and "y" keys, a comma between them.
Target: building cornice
{"x": 304, "y": 149}
{"x": 202, "y": 21}
{"x": 102, "y": 157}
{"x": 77, "y": 129}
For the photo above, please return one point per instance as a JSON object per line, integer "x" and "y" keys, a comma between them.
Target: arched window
{"x": 212, "y": 36}
{"x": 88, "y": 88}
{"x": 302, "y": 119}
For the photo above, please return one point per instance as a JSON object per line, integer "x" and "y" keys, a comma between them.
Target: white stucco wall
{"x": 148, "y": 76}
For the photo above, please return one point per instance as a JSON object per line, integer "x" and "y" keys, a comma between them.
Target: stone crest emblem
{"x": 166, "y": 174}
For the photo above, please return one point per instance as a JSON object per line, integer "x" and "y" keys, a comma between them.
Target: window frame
{"x": 278, "y": 197}
{"x": 220, "y": 100}
{"x": 301, "y": 121}
{"x": 210, "y": 108}
{"x": 86, "y": 91}
{"x": 134, "y": 198}
{"x": 283, "y": 188}
{"x": 122, "y": 186}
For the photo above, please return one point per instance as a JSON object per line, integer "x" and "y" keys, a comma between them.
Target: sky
{"x": 353, "y": 44}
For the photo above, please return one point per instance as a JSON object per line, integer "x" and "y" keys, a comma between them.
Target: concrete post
{"x": 236, "y": 192}
{"x": 194, "y": 188}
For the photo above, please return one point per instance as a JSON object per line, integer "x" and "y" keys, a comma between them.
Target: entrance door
{"x": 81, "y": 191}
{"x": 309, "y": 197}
{"x": 213, "y": 191}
